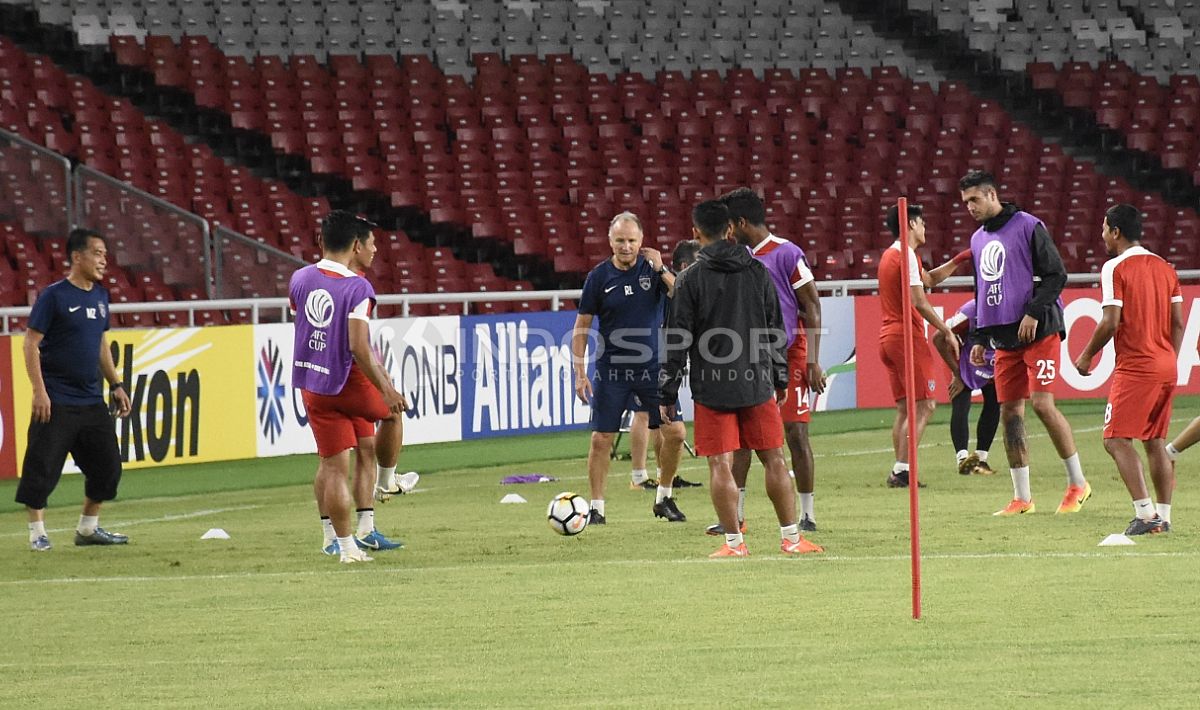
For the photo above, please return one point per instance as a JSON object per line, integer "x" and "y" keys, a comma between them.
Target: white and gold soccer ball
{"x": 567, "y": 514}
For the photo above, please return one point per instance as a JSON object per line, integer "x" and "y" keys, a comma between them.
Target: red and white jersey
{"x": 890, "y": 293}
{"x": 1143, "y": 285}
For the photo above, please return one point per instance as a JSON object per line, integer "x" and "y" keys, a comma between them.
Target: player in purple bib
{"x": 1019, "y": 277}
{"x": 968, "y": 378}
{"x": 344, "y": 388}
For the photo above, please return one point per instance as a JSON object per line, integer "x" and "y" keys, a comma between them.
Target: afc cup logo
{"x": 318, "y": 308}
{"x": 991, "y": 261}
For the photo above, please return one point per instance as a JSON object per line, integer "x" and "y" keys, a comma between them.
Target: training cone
{"x": 1115, "y": 540}
{"x": 215, "y": 534}
{"x": 513, "y": 498}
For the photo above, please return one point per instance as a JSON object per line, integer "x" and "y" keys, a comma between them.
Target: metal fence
{"x": 154, "y": 242}
{"x": 35, "y": 187}
{"x": 247, "y": 268}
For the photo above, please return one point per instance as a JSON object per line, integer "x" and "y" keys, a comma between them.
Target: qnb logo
{"x": 318, "y": 308}
{"x": 991, "y": 261}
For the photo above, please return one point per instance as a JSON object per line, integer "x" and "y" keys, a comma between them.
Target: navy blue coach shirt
{"x": 73, "y": 322}
{"x": 629, "y": 305}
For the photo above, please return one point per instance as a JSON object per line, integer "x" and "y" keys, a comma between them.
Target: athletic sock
{"x": 1172, "y": 452}
{"x": 346, "y": 545}
{"x": 1143, "y": 508}
{"x": 899, "y": 467}
{"x": 790, "y": 533}
{"x": 327, "y": 530}
{"x": 961, "y": 455}
{"x": 598, "y": 505}
{"x": 1020, "y": 479}
{"x": 383, "y": 476}
{"x": 37, "y": 530}
{"x": 1164, "y": 511}
{"x": 741, "y": 504}
{"x": 1074, "y": 471}
{"x": 734, "y": 540}
{"x": 88, "y": 524}
{"x": 639, "y": 475}
{"x": 981, "y": 455}
{"x": 366, "y": 521}
{"x": 663, "y": 492}
{"x": 806, "y": 506}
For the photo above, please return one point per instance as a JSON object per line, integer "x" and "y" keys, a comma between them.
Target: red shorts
{"x": 795, "y": 408}
{"x": 720, "y": 431}
{"x": 1138, "y": 409}
{"x": 1033, "y": 368}
{"x": 339, "y": 421}
{"x": 891, "y": 352}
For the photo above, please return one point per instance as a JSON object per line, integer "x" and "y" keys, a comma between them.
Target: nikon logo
{"x": 162, "y": 412}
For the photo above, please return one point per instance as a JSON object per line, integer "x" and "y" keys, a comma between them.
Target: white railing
{"x": 261, "y": 307}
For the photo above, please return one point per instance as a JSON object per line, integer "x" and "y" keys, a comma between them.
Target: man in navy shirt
{"x": 66, "y": 353}
{"x": 627, "y": 293}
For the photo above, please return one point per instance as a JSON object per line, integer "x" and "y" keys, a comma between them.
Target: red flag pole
{"x": 910, "y": 405}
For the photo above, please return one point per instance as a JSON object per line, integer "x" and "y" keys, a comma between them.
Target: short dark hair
{"x": 340, "y": 229}
{"x": 684, "y": 254}
{"x": 1126, "y": 218}
{"x": 744, "y": 203}
{"x": 893, "y": 217}
{"x": 78, "y": 240}
{"x": 711, "y": 217}
{"x": 977, "y": 178}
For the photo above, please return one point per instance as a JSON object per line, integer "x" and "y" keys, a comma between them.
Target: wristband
{"x": 119, "y": 385}
{"x": 964, "y": 255}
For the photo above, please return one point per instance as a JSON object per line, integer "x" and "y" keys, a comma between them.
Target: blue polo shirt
{"x": 629, "y": 305}
{"x": 72, "y": 322}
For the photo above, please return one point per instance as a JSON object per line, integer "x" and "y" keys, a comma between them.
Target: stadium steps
{"x": 179, "y": 109}
{"x": 1076, "y": 129}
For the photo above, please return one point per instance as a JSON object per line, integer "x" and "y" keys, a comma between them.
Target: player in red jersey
{"x": 1143, "y": 314}
{"x": 891, "y": 336}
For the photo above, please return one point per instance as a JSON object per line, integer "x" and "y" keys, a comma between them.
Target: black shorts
{"x": 87, "y": 433}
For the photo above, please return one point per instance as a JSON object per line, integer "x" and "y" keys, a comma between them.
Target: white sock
{"x": 982, "y": 455}
{"x": 733, "y": 539}
{"x": 327, "y": 530}
{"x": 741, "y": 504}
{"x": 1164, "y": 511}
{"x": 383, "y": 476}
{"x": 806, "y": 506}
{"x": 663, "y": 492}
{"x": 366, "y": 521}
{"x": 1020, "y": 479}
{"x": 1172, "y": 452}
{"x": 1143, "y": 508}
{"x": 791, "y": 533}
{"x": 1074, "y": 471}
{"x": 598, "y": 505}
{"x": 88, "y": 524}
{"x": 961, "y": 455}
{"x": 900, "y": 467}
{"x": 640, "y": 475}
{"x": 37, "y": 530}
{"x": 346, "y": 545}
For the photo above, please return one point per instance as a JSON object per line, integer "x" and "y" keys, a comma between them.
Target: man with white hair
{"x": 627, "y": 293}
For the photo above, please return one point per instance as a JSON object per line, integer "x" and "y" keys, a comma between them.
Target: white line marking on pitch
{"x": 952, "y": 556}
{"x": 162, "y": 519}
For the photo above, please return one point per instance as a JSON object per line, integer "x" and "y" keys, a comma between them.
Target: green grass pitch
{"x": 487, "y": 607}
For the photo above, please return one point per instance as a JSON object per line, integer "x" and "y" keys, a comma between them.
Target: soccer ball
{"x": 567, "y": 514}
